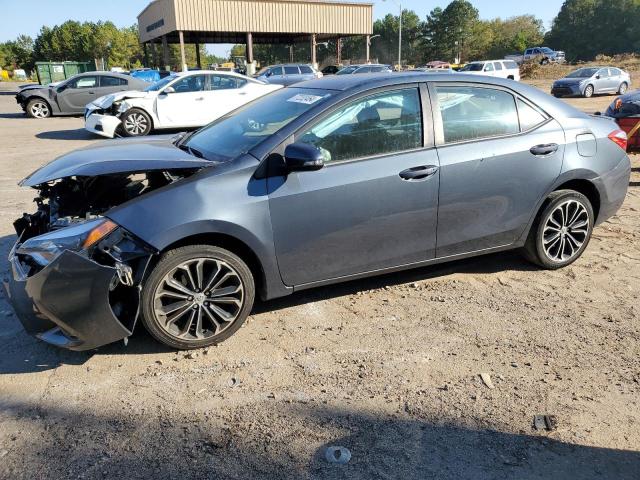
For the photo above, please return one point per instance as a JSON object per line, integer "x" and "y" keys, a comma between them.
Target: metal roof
{"x": 270, "y": 21}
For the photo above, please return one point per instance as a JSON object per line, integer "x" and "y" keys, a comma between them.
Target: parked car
{"x": 182, "y": 100}
{"x": 543, "y": 55}
{"x": 588, "y": 81}
{"x": 493, "y": 68}
{"x": 70, "y": 96}
{"x": 331, "y": 69}
{"x": 366, "y": 68}
{"x": 287, "y": 74}
{"x": 327, "y": 181}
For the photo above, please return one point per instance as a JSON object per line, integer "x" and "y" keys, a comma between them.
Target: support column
{"x": 198, "y": 62}
{"x": 165, "y": 53}
{"x": 146, "y": 54}
{"x": 314, "y": 60}
{"x": 251, "y": 65}
{"x": 152, "y": 46}
{"x": 339, "y": 51}
{"x": 368, "y": 48}
{"x": 182, "y": 56}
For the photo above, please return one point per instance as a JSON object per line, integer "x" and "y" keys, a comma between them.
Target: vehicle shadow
{"x": 94, "y": 440}
{"x": 73, "y": 134}
{"x": 13, "y": 115}
{"x": 494, "y": 263}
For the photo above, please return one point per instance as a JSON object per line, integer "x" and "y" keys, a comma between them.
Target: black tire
{"x": 153, "y": 306}
{"x": 38, "y": 108}
{"x": 136, "y": 123}
{"x": 624, "y": 86}
{"x": 588, "y": 91}
{"x": 534, "y": 249}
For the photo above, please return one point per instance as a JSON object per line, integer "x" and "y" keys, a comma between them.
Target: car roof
{"x": 288, "y": 65}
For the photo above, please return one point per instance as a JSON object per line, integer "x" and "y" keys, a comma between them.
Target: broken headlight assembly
{"x": 43, "y": 249}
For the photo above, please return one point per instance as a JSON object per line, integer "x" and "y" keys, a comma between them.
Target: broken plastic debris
{"x": 486, "y": 379}
{"x": 545, "y": 422}
{"x": 339, "y": 455}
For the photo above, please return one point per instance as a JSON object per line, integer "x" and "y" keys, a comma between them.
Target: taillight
{"x": 619, "y": 137}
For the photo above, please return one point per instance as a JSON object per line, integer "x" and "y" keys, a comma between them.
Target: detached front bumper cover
{"x": 67, "y": 302}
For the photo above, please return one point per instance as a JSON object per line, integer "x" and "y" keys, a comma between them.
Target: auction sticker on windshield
{"x": 306, "y": 99}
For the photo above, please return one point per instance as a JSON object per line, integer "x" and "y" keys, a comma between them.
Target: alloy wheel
{"x": 40, "y": 109}
{"x": 135, "y": 124}
{"x": 565, "y": 231}
{"x": 198, "y": 299}
{"x": 623, "y": 89}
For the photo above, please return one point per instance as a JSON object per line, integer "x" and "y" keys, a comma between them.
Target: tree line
{"x": 582, "y": 28}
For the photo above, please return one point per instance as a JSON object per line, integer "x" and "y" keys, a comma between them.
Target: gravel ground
{"x": 388, "y": 367}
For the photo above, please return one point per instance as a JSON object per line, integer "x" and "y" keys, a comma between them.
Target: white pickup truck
{"x": 541, "y": 54}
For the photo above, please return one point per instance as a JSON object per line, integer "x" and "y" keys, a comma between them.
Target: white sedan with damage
{"x": 181, "y": 100}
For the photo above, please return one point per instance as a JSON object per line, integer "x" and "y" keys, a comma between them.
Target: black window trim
{"x": 427, "y": 121}
{"x": 437, "y": 118}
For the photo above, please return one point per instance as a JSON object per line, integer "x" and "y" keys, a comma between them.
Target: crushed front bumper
{"x": 104, "y": 125}
{"x": 67, "y": 302}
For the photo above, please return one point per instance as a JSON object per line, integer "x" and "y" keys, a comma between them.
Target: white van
{"x": 494, "y": 68}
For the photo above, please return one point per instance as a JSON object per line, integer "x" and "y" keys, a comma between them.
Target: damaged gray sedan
{"x": 319, "y": 183}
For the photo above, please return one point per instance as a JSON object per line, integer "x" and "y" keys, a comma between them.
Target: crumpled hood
{"x": 107, "y": 100}
{"x": 132, "y": 155}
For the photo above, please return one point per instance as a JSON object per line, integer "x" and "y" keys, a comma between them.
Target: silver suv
{"x": 288, "y": 74}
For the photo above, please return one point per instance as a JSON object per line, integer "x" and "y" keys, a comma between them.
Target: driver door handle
{"x": 418, "y": 173}
{"x": 544, "y": 150}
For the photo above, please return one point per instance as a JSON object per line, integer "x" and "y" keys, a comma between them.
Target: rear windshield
{"x": 241, "y": 130}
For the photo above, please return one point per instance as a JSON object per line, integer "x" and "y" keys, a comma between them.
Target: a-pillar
{"x": 165, "y": 53}
{"x": 314, "y": 43}
{"x": 183, "y": 59}
{"x": 251, "y": 66}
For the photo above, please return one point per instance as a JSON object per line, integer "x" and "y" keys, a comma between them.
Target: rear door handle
{"x": 544, "y": 150}
{"x": 418, "y": 173}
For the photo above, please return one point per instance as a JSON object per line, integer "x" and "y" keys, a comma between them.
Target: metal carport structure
{"x": 252, "y": 21}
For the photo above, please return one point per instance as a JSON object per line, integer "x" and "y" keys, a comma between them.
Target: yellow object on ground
{"x": 4, "y": 75}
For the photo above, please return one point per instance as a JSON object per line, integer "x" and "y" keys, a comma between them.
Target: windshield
{"x": 347, "y": 70}
{"x": 473, "y": 67}
{"x": 546, "y": 50}
{"x": 241, "y": 130}
{"x": 160, "y": 84}
{"x": 583, "y": 73}
{"x": 262, "y": 71}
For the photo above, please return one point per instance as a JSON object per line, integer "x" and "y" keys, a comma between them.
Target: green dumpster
{"x": 49, "y": 72}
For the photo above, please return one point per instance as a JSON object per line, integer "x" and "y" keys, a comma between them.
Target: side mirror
{"x": 597, "y": 77}
{"x": 169, "y": 90}
{"x": 61, "y": 88}
{"x": 300, "y": 157}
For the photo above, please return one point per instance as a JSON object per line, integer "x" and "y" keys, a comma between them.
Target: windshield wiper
{"x": 191, "y": 150}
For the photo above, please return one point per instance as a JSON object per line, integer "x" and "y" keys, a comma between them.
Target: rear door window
{"x": 529, "y": 116}
{"x": 497, "y": 65}
{"x": 112, "y": 81}
{"x": 470, "y": 113}
{"x": 291, "y": 70}
{"x": 224, "y": 82}
{"x": 488, "y": 67}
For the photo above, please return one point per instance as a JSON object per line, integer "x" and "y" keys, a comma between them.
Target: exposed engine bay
{"x": 64, "y": 202}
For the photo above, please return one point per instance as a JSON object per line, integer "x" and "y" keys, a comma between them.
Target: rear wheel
{"x": 197, "y": 296}
{"x": 562, "y": 230}
{"x": 136, "y": 123}
{"x": 588, "y": 92}
{"x": 38, "y": 108}
{"x": 623, "y": 88}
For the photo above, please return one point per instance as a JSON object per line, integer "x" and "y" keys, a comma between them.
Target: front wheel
{"x": 197, "y": 296}
{"x": 588, "y": 92}
{"x": 562, "y": 231}
{"x": 38, "y": 108}
{"x": 136, "y": 123}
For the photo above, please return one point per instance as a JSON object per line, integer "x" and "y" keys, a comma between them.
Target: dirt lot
{"x": 387, "y": 367}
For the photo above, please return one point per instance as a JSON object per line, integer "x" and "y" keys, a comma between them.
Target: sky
{"x": 18, "y": 20}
